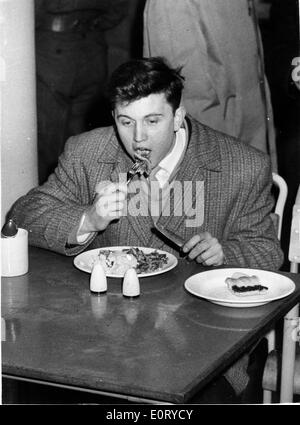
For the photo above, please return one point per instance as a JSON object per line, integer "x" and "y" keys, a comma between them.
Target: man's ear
{"x": 179, "y": 117}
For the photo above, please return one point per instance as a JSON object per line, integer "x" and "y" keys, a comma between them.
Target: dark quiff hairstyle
{"x": 139, "y": 78}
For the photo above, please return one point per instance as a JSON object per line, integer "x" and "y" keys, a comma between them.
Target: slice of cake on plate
{"x": 242, "y": 285}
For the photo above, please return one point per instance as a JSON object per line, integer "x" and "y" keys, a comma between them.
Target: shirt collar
{"x": 168, "y": 164}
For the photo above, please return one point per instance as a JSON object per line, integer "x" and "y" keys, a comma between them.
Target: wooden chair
{"x": 273, "y": 366}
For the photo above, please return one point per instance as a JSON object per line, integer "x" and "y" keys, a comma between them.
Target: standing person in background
{"x": 219, "y": 47}
{"x": 71, "y": 62}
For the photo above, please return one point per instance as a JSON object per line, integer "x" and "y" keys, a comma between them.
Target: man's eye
{"x": 152, "y": 121}
{"x": 126, "y": 123}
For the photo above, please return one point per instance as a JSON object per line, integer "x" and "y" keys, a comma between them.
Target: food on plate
{"x": 116, "y": 262}
{"x": 242, "y": 285}
{"x": 119, "y": 261}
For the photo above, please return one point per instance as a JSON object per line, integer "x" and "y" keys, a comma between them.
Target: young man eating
{"x": 210, "y": 189}
{"x": 224, "y": 216}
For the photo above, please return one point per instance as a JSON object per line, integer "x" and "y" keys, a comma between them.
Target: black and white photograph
{"x": 150, "y": 205}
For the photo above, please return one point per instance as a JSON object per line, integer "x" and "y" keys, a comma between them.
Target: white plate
{"x": 211, "y": 286}
{"x": 85, "y": 260}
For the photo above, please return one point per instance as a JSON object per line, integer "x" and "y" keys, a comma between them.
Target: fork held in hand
{"x": 137, "y": 168}
{"x": 133, "y": 171}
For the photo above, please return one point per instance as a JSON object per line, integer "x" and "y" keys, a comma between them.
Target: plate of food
{"x": 116, "y": 260}
{"x": 239, "y": 287}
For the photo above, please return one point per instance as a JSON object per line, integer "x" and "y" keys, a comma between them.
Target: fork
{"x": 172, "y": 237}
{"x": 137, "y": 168}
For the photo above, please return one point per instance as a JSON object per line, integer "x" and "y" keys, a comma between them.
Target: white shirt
{"x": 168, "y": 164}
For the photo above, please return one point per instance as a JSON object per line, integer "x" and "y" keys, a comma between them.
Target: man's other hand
{"x": 204, "y": 249}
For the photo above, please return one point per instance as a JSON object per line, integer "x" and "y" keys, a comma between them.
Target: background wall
{"x": 17, "y": 101}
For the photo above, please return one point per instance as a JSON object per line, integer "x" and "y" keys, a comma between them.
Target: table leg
{"x": 288, "y": 355}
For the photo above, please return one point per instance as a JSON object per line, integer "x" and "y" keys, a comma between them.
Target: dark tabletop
{"x": 164, "y": 345}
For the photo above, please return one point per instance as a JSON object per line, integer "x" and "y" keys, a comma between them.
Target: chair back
{"x": 294, "y": 247}
{"x": 274, "y": 363}
{"x": 277, "y": 217}
{"x": 281, "y": 185}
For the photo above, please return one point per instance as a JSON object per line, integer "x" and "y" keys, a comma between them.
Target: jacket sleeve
{"x": 252, "y": 240}
{"x": 50, "y": 212}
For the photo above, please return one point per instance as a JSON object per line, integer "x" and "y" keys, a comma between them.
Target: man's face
{"x": 147, "y": 126}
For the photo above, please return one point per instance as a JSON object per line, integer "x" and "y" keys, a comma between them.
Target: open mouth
{"x": 142, "y": 152}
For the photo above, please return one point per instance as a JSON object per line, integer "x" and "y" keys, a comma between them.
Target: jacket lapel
{"x": 141, "y": 223}
{"x": 202, "y": 156}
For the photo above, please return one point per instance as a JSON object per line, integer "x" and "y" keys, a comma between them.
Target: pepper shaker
{"x": 131, "y": 284}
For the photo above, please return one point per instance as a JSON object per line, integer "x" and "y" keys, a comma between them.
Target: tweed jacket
{"x": 230, "y": 194}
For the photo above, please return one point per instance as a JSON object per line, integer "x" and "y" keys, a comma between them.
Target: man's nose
{"x": 139, "y": 133}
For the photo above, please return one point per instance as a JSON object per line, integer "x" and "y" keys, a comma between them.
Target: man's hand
{"x": 205, "y": 249}
{"x": 108, "y": 206}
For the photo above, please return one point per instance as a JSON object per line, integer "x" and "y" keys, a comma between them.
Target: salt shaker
{"x": 98, "y": 281}
{"x": 131, "y": 284}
